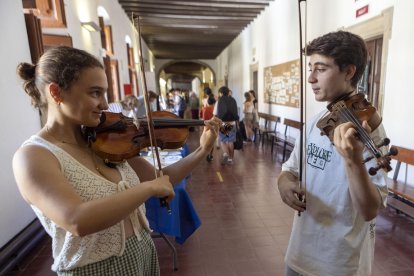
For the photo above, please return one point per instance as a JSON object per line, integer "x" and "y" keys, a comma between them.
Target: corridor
{"x": 245, "y": 226}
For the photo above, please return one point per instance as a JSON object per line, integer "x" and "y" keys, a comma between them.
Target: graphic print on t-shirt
{"x": 317, "y": 157}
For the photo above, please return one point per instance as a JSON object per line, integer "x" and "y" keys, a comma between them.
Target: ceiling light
{"x": 91, "y": 26}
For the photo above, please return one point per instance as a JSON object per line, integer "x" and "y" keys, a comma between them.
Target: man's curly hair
{"x": 345, "y": 48}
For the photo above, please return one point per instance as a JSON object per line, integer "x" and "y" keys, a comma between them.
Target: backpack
{"x": 238, "y": 144}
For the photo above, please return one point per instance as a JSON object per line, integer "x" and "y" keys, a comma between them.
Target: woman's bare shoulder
{"x": 33, "y": 156}
{"x": 33, "y": 167}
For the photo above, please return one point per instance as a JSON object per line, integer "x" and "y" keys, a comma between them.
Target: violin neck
{"x": 160, "y": 123}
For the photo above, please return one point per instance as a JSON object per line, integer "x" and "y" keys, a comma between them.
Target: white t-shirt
{"x": 330, "y": 237}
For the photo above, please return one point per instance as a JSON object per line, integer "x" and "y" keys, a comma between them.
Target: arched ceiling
{"x": 192, "y": 29}
{"x": 184, "y": 71}
{"x": 184, "y": 68}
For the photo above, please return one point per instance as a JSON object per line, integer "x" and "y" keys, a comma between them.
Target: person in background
{"x": 254, "y": 99}
{"x": 124, "y": 106}
{"x": 187, "y": 109}
{"x": 248, "y": 110}
{"x": 227, "y": 112}
{"x": 207, "y": 114}
{"x": 94, "y": 213}
{"x": 255, "y": 113}
{"x": 207, "y": 94}
{"x": 170, "y": 100}
{"x": 335, "y": 233}
{"x": 194, "y": 103}
{"x": 179, "y": 103}
{"x": 138, "y": 106}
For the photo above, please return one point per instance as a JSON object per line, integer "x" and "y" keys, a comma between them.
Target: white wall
{"x": 275, "y": 37}
{"x": 20, "y": 120}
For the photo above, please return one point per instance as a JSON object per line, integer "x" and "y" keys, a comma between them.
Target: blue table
{"x": 183, "y": 220}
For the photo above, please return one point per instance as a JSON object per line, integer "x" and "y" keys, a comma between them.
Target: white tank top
{"x": 71, "y": 251}
{"x": 249, "y": 108}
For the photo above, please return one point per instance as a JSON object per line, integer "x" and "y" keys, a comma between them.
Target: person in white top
{"x": 248, "y": 111}
{"x": 138, "y": 105}
{"x": 335, "y": 232}
{"x": 93, "y": 212}
{"x": 124, "y": 106}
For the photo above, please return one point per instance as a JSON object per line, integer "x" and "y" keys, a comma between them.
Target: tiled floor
{"x": 245, "y": 226}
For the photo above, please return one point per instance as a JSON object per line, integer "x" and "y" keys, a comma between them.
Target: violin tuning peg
{"x": 384, "y": 142}
{"x": 393, "y": 151}
{"x": 373, "y": 171}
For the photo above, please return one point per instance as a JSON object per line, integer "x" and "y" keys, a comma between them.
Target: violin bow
{"x": 302, "y": 167}
{"x": 150, "y": 122}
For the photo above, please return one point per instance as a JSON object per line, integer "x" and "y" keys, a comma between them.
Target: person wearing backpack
{"x": 227, "y": 112}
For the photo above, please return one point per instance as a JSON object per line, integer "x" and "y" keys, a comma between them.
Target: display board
{"x": 282, "y": 84}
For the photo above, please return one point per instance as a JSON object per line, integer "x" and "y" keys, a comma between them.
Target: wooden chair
{"x": 402, "y": 195}
{"x": 272, "y": 122}
{"x": 264, "y": 126}
{"x": 285, "y": 140}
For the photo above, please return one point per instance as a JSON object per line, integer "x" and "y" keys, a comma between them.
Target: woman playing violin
{"x": 94, "y": 213}
{"x": 334, "y": 235}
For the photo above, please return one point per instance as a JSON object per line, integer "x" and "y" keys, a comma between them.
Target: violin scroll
{"x": 384, "y": 162}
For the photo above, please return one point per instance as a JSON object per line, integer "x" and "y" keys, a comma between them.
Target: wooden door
{"x": 133, "y": 75}
{"x": 370, "y": 81}
{"x": 111, "y": 65}
{"x": 34, "y": 35}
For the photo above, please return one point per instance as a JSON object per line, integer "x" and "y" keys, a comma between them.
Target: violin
{"x": 118, "y": 137}
{"x": 355, "y": 109}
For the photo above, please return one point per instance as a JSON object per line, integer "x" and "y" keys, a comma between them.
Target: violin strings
{"x": 361, "y": 131}
{"x": 165, "y": 122}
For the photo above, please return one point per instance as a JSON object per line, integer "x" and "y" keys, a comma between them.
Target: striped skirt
{"x": 139, "y": 259}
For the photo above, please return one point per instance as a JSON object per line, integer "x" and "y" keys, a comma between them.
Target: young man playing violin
{"x": 94, "y": 213}
{"x": 335, "y": 232}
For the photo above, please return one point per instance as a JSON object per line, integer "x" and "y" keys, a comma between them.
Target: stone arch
{"x": 168, "y": 63}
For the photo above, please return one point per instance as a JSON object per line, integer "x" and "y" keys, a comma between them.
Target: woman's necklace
{"x": 96, "y": 165}
{"x": 79, "y": 146}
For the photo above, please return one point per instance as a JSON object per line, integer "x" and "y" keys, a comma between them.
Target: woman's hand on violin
{"x": 210, "y": 133}
{"x": 162, "y": 187}
{"x": 347, "y": 142}
{"x": 290, "y": 192}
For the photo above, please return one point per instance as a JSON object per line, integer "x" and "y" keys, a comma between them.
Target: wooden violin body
{"x": 358, "y": 105}
{"x": 357, "y": 109}
{"x": 118, "y": 137}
